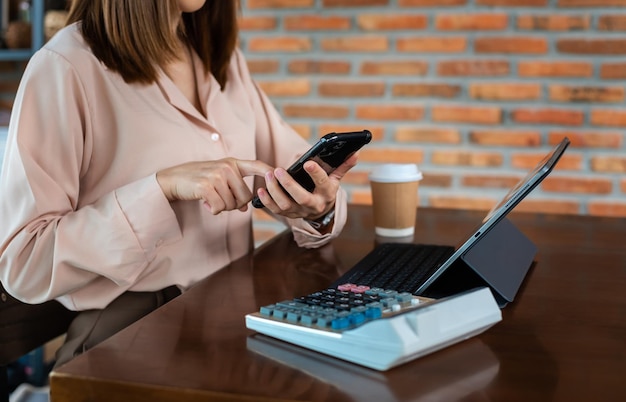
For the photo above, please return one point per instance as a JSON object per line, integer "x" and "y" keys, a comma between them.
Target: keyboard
{"x": 376, "y": 327}
{"x": 400, "y": 266}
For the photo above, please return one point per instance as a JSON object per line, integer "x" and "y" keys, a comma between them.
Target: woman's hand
{"x": 218, "y": 183}
{"x": 300, "y": 203}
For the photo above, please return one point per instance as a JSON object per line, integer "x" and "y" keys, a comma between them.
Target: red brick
{"x": 487, "y": 68}
{"x": 433, "y": 135}
{"x": 563, "y": 93}
{"x": 569, "y": 161}
{"x": 394, "y": 68}
{"x": 591, "y": 3}
{"x": 426, "y": 90}
{"x": 318, "y": 67}
{"x": 316, "y": 22}
{"x": 440, "y": 180}
{"x": 613, "y": 71}
{"x": 372, "y": 22}
{"x": 387, "y": 155}
{"x": 579, "y": 185}
{"x": 489, "y": 181}
{"x": 389, "y": 112}
{"x": 608, "y": 164}
{"x": 554, "y": 22}
{"x": 431, "y": 3}
{"x": 316, "y": 111}
{"x": 548, "y": 116}
{"x": 444, "y": 44}
{"x": 354, "y": 3}
{"x": 467, "y": 114}
{"x": 263, "y": 66}
{"x": 252, "y": 4}
{"x": 509, "y": 138}
{"x": 612, "y": 23}
{"x": 360, "y": 197}
{"x": 293, "y": 87}
{"x": 605, "y": 46}
{"x": 614, "y": 209}
{"x": 511, "y": 45}
{"x": 608, "y": 118}
{"x": 555, "y": 69}
{"x": 351, "y": 89}
{"x": 512, "y": 3}
{"x": 460, "y": 202}
{"x": 256, "y": 23}
{"x": 357, "y": 178}
{"x": 280, "y": 44}
{"x": 464, "y": 158}
{"x": 587, "y": 139}
{"x": 471, "y": 22}
{"x": 548, "y": 206}
{"x": 505, "y": 91}
{"x": 356, "y": 44}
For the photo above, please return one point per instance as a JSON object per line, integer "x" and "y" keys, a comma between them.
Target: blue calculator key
{"x": 279, "y": 313}
{"x": 293, "y": 316}
{"x": 267, "y": 310}
{"x": 340, "y": 323}
{"x": 308, "y": 319}
{"x": 374, "y": 311}
{"x": 357, "y": 318}
{"x": 325, "y": 321}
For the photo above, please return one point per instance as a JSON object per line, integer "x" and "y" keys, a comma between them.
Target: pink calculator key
{"x": 360, "y": 289}
{"x": 346, "y": 287}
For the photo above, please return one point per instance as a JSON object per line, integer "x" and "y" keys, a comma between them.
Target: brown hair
{"x": 135, "y": 37}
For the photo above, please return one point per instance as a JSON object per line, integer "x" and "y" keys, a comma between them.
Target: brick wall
{"x": 473, "y": 91}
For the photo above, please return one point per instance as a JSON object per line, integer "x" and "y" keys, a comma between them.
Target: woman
{"x": 133, "y": 145}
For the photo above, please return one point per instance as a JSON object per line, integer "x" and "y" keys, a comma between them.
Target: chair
{"x": 23, "y": 328}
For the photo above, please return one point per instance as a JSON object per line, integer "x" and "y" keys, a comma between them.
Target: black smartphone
{"x": 329, "y": 152}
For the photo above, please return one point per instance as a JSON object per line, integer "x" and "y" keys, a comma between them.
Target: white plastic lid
{"x": 395, "y": 172}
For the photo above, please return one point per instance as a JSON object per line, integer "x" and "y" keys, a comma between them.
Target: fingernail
{"x": 269, "y": 176}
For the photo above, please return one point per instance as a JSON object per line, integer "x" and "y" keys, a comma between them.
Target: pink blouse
{"x": 83, "y": 218}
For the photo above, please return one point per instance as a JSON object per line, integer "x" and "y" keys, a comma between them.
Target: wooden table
{"x": 562, "y": 339}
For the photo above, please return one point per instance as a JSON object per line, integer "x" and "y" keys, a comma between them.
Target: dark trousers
{"x": 91, "y": 327}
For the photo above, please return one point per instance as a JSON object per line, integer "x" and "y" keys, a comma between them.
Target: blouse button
{"x": 215, "y": 137}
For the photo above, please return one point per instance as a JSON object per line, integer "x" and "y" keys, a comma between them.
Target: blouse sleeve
{"x": 50, "y": 245}
{"x": 280, "y": 145}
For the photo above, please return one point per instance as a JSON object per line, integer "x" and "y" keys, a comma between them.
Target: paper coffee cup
{"x": 394, "y": 198}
